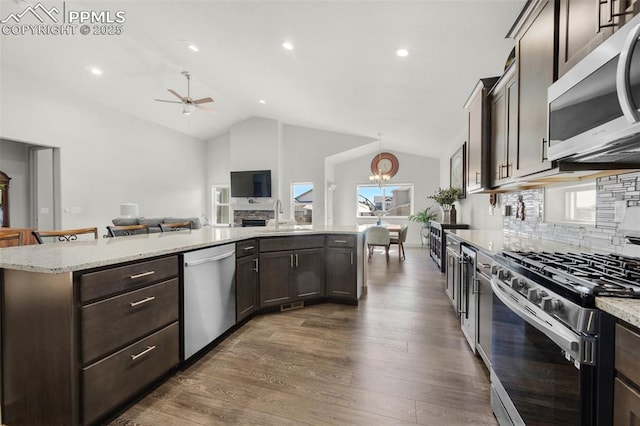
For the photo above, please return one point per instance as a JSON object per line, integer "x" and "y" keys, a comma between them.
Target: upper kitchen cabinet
{"x": 583, "y": 25}
{"x": 479, "y": 133}
{"x": 504, "y": 128}
{"x": 535, "y": 36}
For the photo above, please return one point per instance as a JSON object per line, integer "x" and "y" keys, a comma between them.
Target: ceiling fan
{"x": 188, "y": 103}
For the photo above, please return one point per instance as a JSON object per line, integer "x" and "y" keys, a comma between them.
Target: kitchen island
{"x": 88, "y": 325}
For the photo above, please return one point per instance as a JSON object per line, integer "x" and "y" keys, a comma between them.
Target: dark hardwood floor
{"x": 397, "y": 358}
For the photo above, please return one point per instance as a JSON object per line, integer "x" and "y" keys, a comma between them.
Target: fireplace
{"x": 252, "y": 217}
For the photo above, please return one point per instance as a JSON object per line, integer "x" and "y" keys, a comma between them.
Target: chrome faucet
{"x": 278, "y": 210}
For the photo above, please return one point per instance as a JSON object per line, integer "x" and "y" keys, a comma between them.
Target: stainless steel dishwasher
{"x": 209, "y": 303}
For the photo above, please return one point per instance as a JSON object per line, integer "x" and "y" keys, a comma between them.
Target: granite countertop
{"x": 78, "y": 255}
{"x": 625, "y": 309}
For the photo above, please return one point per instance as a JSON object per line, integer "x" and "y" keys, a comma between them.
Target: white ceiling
{"x": 343, "y": 74}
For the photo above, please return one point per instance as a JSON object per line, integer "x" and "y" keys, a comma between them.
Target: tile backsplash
{"x": 621, "y": 191}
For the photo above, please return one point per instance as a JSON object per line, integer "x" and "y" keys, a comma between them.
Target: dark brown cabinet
{"x": 583, "y": 25}
{"x": 536, "y": 64}
{"x": 293, "y": 274}
{"x": 504, "y": 128}
{"x": 247, "y": 266}
{"x": 341, "y": 267}
{"x": 78, "y": 345}
{"x": 626, "y": 394}
{"x": 478, "y": 111}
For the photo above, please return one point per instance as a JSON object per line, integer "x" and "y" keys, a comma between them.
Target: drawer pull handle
{"x": 339, "y": 241}
{"x": 485, "y": 265}
{"x": 144, "y": 274}
{"x": 143, "y": 301}
{"x": 248, "y": 248}
{"x": 146, "y": 351}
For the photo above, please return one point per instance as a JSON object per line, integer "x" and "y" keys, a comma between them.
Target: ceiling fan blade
{"x": 204, "y": 108}
{"x": 174, "y": 93}
{"x": 171, "y": 102}
{"x": 203, "y": 101}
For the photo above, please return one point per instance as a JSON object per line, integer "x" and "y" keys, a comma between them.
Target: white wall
{"x": 107, "y": 157}
{"x": 303, "y": 160}
{"x": 292, "y": 153}
{"x": 423, "y": 172}
{"x": 474, "y": 209}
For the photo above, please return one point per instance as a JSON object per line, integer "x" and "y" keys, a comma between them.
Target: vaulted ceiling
{"x": 342, "y": 75}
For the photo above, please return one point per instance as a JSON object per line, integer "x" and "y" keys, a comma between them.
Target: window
{"x": 221, "y": 209}
{"x": 302, "y": 202}
{"x": 394, "y": 200}
{"x": 571, "y": 203}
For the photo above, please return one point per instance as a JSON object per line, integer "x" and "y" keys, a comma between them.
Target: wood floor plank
{"x": 397, "y": 358}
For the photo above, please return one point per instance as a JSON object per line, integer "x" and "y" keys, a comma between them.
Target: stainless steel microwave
{"x": 593, "y": 109}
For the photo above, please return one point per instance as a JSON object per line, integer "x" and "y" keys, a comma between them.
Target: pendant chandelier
{"x": 379, "y": 175}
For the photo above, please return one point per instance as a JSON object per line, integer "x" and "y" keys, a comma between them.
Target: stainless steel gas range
{"x": 552, "y": 351}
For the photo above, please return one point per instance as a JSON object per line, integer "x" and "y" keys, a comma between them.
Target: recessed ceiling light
{"x": 93, "y": 70}
{"x": 287, "y": 45}
{"x": 193, "y": 47}
{"x": 402, "y": 52}
{"x": 262, "y": 101}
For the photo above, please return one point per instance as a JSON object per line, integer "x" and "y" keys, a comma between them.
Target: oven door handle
{"x": 560, "y": 335}
{"x": 623, "y": 84}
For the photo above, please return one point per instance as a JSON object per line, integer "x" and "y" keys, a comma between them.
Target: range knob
{"x": 547, "y": 304}
{"x": 532, "y": 294}
{"x": 516, "y": 284}
{"x": 504, "y": 275}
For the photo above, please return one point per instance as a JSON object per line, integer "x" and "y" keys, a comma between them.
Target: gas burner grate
{"x": 598, "y": 274}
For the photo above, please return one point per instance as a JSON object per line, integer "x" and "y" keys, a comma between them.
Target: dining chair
{"x": 11, "y": 237}
{"x": 126, "y": 230}
{"x": 175, "y": 226}
{"x": 378, "y": 236}
{"x": 64, "y": 235}
{"x": 399, "y": 240}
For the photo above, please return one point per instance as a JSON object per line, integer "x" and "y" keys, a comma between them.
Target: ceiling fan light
{"x": 187, "y": 109}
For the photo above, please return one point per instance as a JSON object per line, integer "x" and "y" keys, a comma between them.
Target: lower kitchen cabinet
{"x": 438, "y": 241}
{"x": 247, "y": 267}
{"x": 291, "y": 275}
{"x": 626, "y": 395}
{"x": 78, "y": 345}
{"x": 341, "y": 272}
{"x": 485, "y": 307}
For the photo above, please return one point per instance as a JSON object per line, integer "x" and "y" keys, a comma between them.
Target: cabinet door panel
{"x": 498, "y": 137}
{"x": 309, "y": 278}
{"x": 536, "y": 73}
{"x": 512, "y": 126}
{"x": 341, "y": 273}
{"x": 246, "y": 286}
{"x": 275, "y": 273}
{"x": 474, "y": 157}
{"x": 626, "y": 405}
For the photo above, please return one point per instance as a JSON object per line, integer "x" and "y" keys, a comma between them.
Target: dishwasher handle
{"x": 209, "y": 259}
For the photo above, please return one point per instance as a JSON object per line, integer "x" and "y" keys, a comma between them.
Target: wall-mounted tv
{"x": 252, "y": 183}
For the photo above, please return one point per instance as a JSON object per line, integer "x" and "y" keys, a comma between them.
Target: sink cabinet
{"x": 291, "y": 269}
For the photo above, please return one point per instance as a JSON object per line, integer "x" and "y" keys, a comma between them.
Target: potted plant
{"x": 446, "y": 198}
{"x": 424, "y": 217}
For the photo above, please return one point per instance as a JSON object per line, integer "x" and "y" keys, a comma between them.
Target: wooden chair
{"x": 10, "y": 238}
{"x": 399, "y": 240}
{"x": 176, "y": 226}
{"x": 64, "y": 234}
{"x": 125, "y": 230}
{"x": 378, "y": 236}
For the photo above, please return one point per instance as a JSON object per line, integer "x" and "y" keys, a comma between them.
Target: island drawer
{"x": 112, "y": 323}
{"x": 291, "y": 243}
{"x": 111, "y": 281}
{"x": 246, "y": 248}
{"x": 341, "y": 241}
{"x": 483, "y": 263}
{"x": 111, "y": 381}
